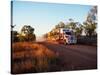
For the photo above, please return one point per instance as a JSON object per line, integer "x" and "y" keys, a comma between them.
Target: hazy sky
{"x": 44, "y": 16}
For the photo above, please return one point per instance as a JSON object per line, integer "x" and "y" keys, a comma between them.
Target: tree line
{"x": 89, "y": 26}
{"x": 26, "y": 34}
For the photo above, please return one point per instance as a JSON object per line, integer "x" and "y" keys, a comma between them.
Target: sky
{"x": 44, "y": 16}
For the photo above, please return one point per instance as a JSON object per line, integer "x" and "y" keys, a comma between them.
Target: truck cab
{"x": 68, "y": 36}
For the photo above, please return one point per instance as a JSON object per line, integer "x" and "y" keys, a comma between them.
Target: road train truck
{"x": 67, "y": 36}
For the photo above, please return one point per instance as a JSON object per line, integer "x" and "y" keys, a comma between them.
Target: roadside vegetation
{"x": 88, "y": 28}
{"x": 32, "y": 57}
{"x": 26, "y": 34}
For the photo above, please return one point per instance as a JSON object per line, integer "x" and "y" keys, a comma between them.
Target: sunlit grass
{"x": 32, "y": 57}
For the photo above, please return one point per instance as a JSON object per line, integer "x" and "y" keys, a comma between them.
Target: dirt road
{"x": 74, "y": 57}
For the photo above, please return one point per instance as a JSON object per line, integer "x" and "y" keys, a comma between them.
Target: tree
{"x": 14, "y": 36}
{"x": 27, "y": 29}
{"x": 60, "y": 25}
{"x": 28, "y": 33}
{"x": 90, "y": 28}
{"x": 90, "y": 24}
{"x": 92, "y": 15}
{"x": 79, "y": 30}
{"x": 72, "y": 24}
{"x": 75, "y": 26}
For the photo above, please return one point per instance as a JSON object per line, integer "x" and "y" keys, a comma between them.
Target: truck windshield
{"x": 68, "y": 33}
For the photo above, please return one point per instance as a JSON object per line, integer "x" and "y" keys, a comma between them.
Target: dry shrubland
{"x": 32, "y": 57}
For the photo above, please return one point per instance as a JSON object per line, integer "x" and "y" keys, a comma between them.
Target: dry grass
{"x": 32, "y": 57}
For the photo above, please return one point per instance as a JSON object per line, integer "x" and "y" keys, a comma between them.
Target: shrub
{"x": 32, "y": 57}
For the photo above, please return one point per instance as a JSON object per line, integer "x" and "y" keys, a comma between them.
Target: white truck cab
{"x": 68, "y": 36}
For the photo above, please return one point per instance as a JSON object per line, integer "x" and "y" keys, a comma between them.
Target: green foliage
{"x": 90, "y": 28}
{"x": 14, "y": 36}
{"x": 27, "y": 29}
{"x": 90, "y": 24}
{"x": 75, "y": 26}
{"x": 30, "y": 37}
{"x": 60, "y": 25}
{"x": 27, "y": 33}
{"x": 72, "y": 25}
{"x": 21, "y": 38}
